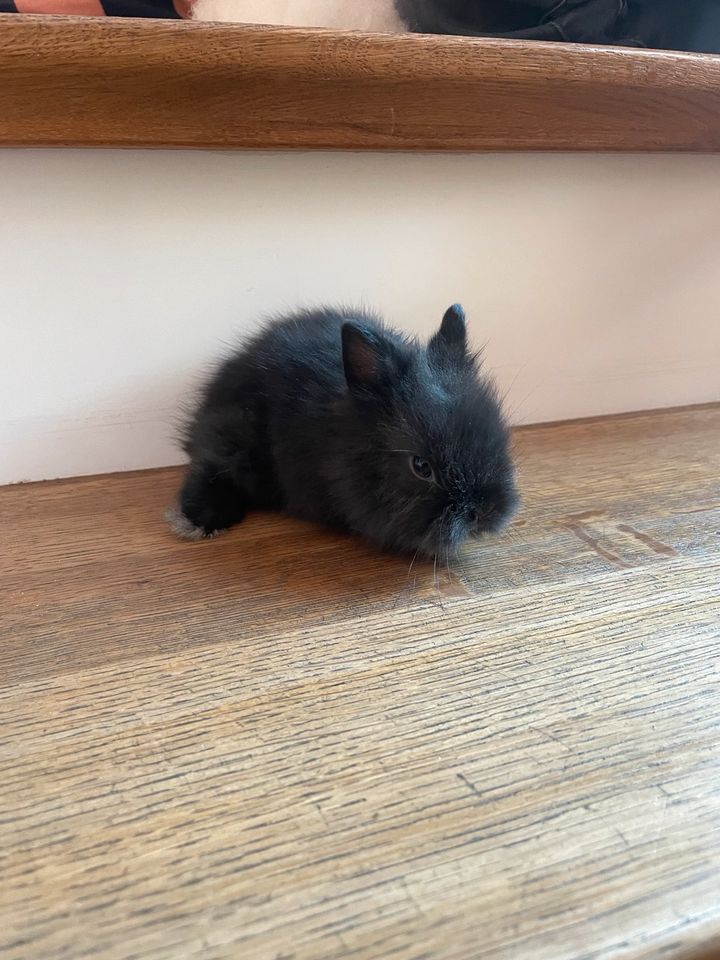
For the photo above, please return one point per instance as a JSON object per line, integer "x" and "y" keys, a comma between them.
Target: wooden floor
{"x": 278, "y": 744}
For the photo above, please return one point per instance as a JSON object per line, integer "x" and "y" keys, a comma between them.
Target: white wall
{"x": 594, "y": 280}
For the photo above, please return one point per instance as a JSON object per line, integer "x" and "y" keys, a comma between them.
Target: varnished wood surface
{"x": 279, "y": 744}
{"x": 106, "y": 82}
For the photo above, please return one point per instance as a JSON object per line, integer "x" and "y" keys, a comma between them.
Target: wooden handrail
{"x": 153, "y": 83}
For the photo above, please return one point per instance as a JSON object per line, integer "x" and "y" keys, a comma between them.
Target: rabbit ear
{"x": 368, "y": 358}
{"x": 451, "y": 338}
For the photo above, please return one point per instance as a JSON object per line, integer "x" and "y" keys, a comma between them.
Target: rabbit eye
{"x": 422, "y": 468}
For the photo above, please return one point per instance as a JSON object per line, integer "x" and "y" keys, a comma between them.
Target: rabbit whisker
{"x": 412, "y": 563}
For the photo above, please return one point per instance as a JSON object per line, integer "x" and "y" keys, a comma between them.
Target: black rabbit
{"x": 334, "y": 417}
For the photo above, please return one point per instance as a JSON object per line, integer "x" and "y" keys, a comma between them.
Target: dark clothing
{"x": 664, "y": 24}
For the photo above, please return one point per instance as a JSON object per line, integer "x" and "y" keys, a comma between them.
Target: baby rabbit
{"x": 336, "y": 418}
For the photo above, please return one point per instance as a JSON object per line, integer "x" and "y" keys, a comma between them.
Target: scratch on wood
{"x": 454, "y": 587}
{"x": 655, "y": 545}
{"x": 584, "y": 534}
{"x": 622, "y": 837}
{"x": 585, "y": 515}
{"x": 470, "y": 785}
{"x": 552, "y": 737}
{"x": 322, "y": 814}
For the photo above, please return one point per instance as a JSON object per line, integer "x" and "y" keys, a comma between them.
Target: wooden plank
{"x": 143, "y": 83}
{"x": 280, "y": 743}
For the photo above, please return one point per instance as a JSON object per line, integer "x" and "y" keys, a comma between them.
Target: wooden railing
{"x": 152, "y": 83}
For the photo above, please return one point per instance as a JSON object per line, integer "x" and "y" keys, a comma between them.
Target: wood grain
{"x": 143, "y": 83}
{"x": 280, "y": 744}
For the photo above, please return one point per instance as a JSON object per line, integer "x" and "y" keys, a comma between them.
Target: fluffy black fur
{"x": 321, "y": 414}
